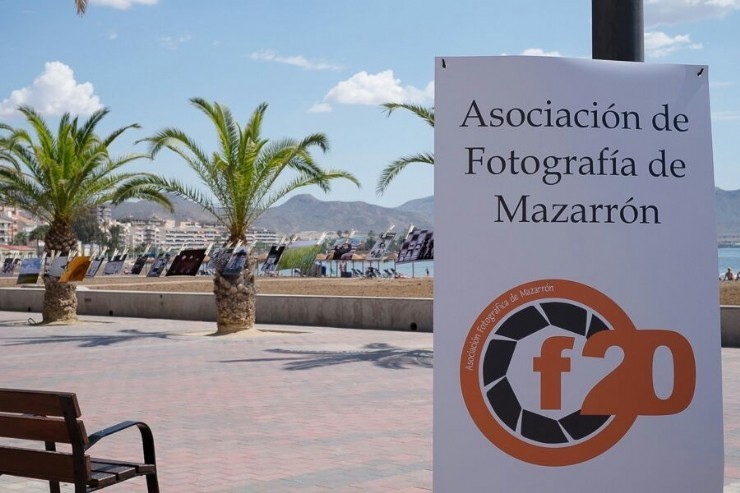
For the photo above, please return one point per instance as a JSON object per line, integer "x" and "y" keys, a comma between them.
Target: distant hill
{"x": 727, "y": 208}
{"x": 423, "y": 206}
{"x": 143, "y": 210}
{"x": 300, "y": 213}
{"x": 307, "y": 213}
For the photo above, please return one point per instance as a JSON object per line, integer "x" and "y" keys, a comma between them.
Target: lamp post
{"x": 617, "y": 30}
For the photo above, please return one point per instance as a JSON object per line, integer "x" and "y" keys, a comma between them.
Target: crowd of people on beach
{"x": 730, "y": 276}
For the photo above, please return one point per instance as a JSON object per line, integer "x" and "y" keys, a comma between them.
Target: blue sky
{"x": 323, "y": 65}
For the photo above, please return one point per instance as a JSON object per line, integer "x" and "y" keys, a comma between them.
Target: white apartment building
{"x": 180, "y": 234}
{"x": 7, "y": 230}
{"x": 13, "y": 221}
{"x": 194, "y": 234}
{"x": 142, "y": 232}
{"x": 104, "y": 214}
{"x": 262, "y": 236}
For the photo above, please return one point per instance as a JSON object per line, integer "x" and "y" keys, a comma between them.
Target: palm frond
{"x": 392, "y": 170}
{"x": 244, "y": 171}
{"x": 61, "y": 174}
{"x": 424, "y": 112}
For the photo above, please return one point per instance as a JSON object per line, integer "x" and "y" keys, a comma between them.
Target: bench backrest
{"x": 48, "y": 417}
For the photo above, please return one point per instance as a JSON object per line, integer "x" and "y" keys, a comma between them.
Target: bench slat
{"x": 29, "y": 427}
{"x": 140, "y": 467}
{"x": 122, "y": 472}
{"x": 39, "y": 464}
{"x": 38, "y": 402}
{"x": 102, "y": 479}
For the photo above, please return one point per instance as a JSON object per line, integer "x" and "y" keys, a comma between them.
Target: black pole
{"x": 617, "y": 30}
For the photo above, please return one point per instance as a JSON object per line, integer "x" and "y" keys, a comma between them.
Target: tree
{"x": 370, "y": 240}
{"x": 81, "y": 6}
{"x": 37, "y": 235}
{"x": 114, "y": 238}
{"x": 393, "y": 169}
{"x": 21, "y": 238}
{"x": 60, "y": 176}
{"x": 246, "y": 175}
{"x": 87, "y": 229}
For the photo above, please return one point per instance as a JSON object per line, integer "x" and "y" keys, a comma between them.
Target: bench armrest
{"x": 147, "y": 439}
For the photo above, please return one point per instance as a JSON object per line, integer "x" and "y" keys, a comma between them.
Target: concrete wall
{"x": 730, "y": 324}
{"x": 341, "y": 311}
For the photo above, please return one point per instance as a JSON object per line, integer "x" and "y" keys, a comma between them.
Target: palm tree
{"x": 392, "y": 170}
{"x": 246, "y": 175}
{"x": 59, "y": 177}
{"x": 38, "y": 234}
{"x": 81, "y": 6}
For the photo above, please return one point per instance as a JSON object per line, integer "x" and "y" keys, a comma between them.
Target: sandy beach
{"x": 421, "y": 287}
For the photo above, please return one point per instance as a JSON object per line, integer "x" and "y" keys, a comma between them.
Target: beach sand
{"x": 421, "y": 287}
{"x": 729, "y": 293}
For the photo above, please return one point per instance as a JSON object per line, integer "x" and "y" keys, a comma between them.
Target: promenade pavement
{"x": 309, "y": 409}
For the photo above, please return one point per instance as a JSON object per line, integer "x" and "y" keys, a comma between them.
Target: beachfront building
{"x": 262, "y": 236}
{"x": 193, "y": 234}
{"x": 138, "y": 232}
{"x": 160, "y": 233}
{"x": 16, "y": 252}
{"x": 104, "y": 214}
{"x": 169, "y": 233}
{"x": 728, "y": 240}
{"x": 6, "y": 230}
{"x": 13, "y": 221}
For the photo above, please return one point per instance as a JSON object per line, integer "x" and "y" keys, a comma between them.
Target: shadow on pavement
{"x": 379, "y": 354}
{"x": 92, "y": 340}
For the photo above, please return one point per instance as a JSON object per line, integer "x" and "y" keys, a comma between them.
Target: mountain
{"x": 299, "y": 213}
{"x": 307, "y": 213}
{"x": 185, "y": 210}
{"x": 727, "y": 209}
{"x": 423, "y": 206}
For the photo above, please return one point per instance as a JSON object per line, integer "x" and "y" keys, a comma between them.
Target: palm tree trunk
{"x": 235, "y": 301}
{"x": 60, "y": 301}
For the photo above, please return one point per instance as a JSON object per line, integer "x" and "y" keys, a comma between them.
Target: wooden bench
{"x": 28, "y": 418}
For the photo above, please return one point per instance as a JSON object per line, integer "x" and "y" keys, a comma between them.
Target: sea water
{"x": 728, "y": 257}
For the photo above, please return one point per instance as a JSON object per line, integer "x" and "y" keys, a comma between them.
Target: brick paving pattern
{"x": 309, "y": 409}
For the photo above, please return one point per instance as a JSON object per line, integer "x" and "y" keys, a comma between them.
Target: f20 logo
{"x": 554, "y": 372}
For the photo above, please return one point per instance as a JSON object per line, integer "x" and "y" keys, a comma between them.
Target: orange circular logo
{"x": 538, "y": 382}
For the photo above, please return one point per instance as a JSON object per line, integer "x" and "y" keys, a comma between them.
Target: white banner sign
{"x": 578, "y": 347}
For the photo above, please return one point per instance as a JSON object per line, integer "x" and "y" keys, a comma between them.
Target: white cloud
{"x": 725, "y": 116}
{"x": 659, "y": 44}
{"x": 540, "y": 52}
{"x": 53, "y": 93}
{"x": 374, "y": 89}
{"x": 676, "y": 11}
{"x": 173, "y": 42}
{"x": 122, "y": 4}
{"x": 320, "y": 108}
{"x": 720, "y": 84}
{"x": 295, "y": 60}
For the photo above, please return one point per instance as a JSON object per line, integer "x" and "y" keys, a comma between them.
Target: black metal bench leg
{"x": 152, "y": 485}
